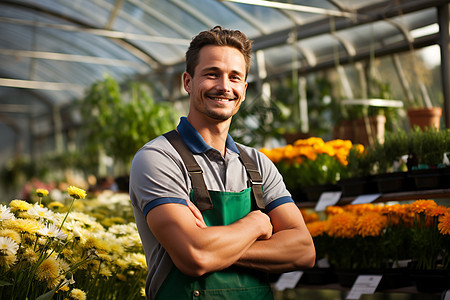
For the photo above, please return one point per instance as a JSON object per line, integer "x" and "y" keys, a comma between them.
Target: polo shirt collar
{"x": 195, "y": 141}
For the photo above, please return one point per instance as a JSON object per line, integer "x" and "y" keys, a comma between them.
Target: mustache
{"x": 223, "y": 95}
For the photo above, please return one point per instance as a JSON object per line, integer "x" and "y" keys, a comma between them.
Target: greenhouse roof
{"x": 52, "y": 50}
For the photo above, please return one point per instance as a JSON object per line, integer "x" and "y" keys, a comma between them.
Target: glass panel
{"x": 223, "y": 16}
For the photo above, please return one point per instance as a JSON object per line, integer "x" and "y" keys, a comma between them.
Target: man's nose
{"x": 224, "y": 84}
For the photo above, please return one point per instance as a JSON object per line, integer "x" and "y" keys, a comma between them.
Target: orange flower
{"x": 422, "y": 206}
{"x": 371, "y": 224}
{"x": 397, "y": 213}
{"x": 309, "y": 152}
{"x": 342, "y": 225}
{"x": 333, "y": 210}
{"x": 327, "y": 149}
{"x": 317, "y": 228}
{"x": 309, "y": 217}
{"x": 359, "y": 209}
{"x": 437, "y": 211}
{"x": 290, "y": 152}
{"x": 444, "y": 223}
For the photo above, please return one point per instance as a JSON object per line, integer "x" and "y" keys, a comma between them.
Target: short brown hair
{"x": 219, "y": 37}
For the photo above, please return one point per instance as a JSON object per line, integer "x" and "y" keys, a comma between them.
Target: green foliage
{"x": 429, "y": 145}
{"x": 426, "y": 147}
{"x": 359, "y": 163}
{"x": 324, "y": 169}
{"x": 119, "y": 123}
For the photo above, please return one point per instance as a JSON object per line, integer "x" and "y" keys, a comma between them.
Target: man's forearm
{"x": 285, "y": 251}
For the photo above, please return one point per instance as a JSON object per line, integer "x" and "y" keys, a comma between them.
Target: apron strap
{"x": 195, "y": 171}
{"x": 255, "y": 181}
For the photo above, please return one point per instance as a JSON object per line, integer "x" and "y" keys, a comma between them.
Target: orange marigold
{"x": 342, "y": 225}
{"x": 309, "y": 217}
{"x": 333, "y": 210}
{"x": 444, "y": 223}
{"x": 327, "y": 149}
{"x": 359, "y": 209}
{"x": 437, "y": 211}
{"x": 422, "y": 206}
{"x": 309, "y": 152}
{"x": 317, "y": 228}
{"x": 371, "y": 224}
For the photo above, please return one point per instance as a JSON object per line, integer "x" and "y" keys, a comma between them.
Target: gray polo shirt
{"x": 158, "y": 176}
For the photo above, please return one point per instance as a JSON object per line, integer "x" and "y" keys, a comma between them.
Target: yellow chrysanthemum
{"x": 137, "y": 260}
{"x": 19, "y": 205}
{"x": 48, "y": 270}
{"x": 444, "y": 223}
{"x": 342, "y": 225}
{"x": 41, "y": 192}
{"x": 26, "y": 225}
{"x": 77, "y": 294}
{"x": 30, "y": 256}
{"x": 76, "y": 193}
{"x": 12, "y": 234}
{"x": 371, "y": 224}
{"x": 7, "y": 260}
{"x": 55, "y": 205}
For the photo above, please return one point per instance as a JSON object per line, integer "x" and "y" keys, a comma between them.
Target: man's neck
{"x": 214, "y": 133}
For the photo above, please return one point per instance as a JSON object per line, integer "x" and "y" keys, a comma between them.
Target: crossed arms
{"x": 276, "y": 242}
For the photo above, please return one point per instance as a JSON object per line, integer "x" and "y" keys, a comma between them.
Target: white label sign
{"x": 362, "y": 199}
{"x": 327, "y": 199}
{"x": 364, "y": 284}
{"x": 288, "y": 280}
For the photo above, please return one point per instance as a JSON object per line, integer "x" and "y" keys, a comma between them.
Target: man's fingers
{"x": 197, "y": 214}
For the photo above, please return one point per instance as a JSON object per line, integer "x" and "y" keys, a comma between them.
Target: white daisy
{"x": 51, "y": 230}
{"x": 39, "y": 212}
{"x": 5, "y": 213}
{"x": 8, "y": 246}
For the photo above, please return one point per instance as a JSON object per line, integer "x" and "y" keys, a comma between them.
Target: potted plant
{"x": 430, "y": 245}
{"x": 311, "y": 165}
{"x": 428, "y": 147}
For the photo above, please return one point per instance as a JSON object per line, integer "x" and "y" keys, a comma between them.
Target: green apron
{"x": 232, "y": 283}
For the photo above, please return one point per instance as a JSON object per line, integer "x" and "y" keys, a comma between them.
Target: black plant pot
{"x": 394, "y": 182}
{"x": 426, "y": 179}
{"x": 356, "y": 186}
{"x": 313, "y": 192}
{"x": 431, "y": 281}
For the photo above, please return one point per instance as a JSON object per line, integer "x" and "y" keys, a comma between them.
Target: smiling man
{"x": 214, "y": 216}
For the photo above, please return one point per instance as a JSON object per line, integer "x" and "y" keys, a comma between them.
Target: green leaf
{"x": 48, "y": 295}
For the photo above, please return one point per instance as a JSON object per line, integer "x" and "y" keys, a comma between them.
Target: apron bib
{"x": 232, "y": 283}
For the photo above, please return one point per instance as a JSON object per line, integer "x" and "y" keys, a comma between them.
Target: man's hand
{"x": 263, "y": 222}
{"x": 257, "y": 217}
{"x": 197, "y": 214}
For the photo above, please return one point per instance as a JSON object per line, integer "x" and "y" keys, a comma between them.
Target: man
{"x": 225, "y": 250}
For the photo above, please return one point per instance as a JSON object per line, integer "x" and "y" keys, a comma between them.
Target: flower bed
{"x": 56, "y": 252}
{"x": 311, "y": 162}
{"x": 370, "y": 237}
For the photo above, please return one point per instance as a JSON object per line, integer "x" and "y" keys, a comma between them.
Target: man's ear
{"x": 187, "y": 80}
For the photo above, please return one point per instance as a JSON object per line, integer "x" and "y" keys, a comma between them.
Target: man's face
{"x": 218, "y": 86}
